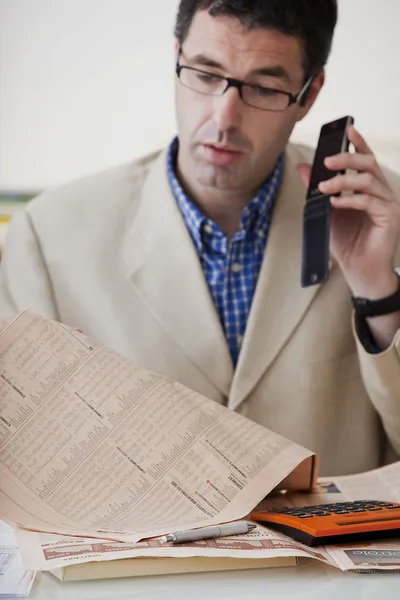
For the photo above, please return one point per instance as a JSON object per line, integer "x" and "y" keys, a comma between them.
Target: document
{"x": 48, "y": 552}
{"x": 54, "y": 552}
{"x": 15, "y": 580}
{"x": 93, "y": 445}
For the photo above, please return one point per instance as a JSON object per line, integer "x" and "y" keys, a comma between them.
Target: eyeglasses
{"x": 256, "y": 96}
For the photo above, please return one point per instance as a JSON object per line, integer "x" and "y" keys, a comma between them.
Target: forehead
{"x": 226, "y": 41}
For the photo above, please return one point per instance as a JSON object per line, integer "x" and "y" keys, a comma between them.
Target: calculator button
{"x": 342, "y": 512}
{"x": 305, "y": 516}
{"x": 358, "y": 510}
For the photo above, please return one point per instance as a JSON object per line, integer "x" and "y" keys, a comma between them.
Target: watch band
{"x": 377, "y": 308}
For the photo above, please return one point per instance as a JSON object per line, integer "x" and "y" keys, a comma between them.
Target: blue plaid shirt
{"x": 231, "y": 268}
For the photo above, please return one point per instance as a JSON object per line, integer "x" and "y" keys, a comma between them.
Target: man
{"x": 188, "y": 261}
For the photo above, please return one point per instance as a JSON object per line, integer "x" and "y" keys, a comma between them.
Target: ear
{"x": 311, "y": 95}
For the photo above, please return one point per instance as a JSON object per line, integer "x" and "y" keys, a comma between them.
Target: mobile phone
{"x": 317, "y": 211}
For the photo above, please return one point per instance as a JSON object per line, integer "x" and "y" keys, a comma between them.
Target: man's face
{"x": 224, "y": 143}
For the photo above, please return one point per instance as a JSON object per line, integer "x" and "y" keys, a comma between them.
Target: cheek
{"x": 192, "y": 113}
{"x": 270, "y": 131}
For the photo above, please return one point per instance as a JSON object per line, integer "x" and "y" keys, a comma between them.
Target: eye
{"x": 207, "y": 77}
{"x": 264, "y": 92}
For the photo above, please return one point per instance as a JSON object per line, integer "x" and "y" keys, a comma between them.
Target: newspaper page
{"x": 380, "y": 484}
{"x": 15, "y": 580}
{"x": 45, "y": 551}
{"x": 93, "y": 445}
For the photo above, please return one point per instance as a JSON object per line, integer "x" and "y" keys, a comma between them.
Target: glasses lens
{"x": 264, "y": 98}
{"x": 256, "y": 96}
{"x": 204, "y": 83}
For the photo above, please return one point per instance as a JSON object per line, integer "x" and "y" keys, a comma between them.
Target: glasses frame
{"x": 231, "y": 82}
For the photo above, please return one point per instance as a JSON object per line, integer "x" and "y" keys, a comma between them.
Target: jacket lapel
{"x": 280, "y": 302}
{"x": 164, "y": 268}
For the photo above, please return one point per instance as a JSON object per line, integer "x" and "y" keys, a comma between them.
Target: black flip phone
{"x": 317, "y": 211}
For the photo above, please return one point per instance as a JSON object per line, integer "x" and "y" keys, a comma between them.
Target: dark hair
{"x": 312, "y": 21}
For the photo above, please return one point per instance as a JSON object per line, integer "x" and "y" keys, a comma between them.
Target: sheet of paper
{"x": 45, "y": 551}
{"x": 379, "y": 484}
{"x": 94, "y": 445}
{"x": 15, "y": 580}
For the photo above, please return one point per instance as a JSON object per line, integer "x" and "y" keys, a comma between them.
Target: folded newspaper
{"x": 109, "y": 456}
{"x": 92, "y": 444}
{"x": 72, "y": 559}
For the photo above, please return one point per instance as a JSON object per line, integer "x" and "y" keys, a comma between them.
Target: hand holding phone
{"x": 317, "y": 211}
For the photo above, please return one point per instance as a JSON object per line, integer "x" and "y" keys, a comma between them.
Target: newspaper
{"x": 15, "y": 580}
{"x": 93, "y": 445}
{"x": 49, "y": 552}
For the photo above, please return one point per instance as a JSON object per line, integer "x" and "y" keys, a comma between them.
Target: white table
{"x": 308, "y": 581}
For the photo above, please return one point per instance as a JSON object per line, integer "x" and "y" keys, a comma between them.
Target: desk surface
{"x": 309, "y": 581}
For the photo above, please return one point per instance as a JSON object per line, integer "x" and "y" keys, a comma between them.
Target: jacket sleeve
{"x": 24, "y": 278}
{"x": 381, "y": 370}
{"x": 381, "y": 375}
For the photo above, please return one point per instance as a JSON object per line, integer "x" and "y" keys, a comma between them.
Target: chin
{"x": 219, "y": 178}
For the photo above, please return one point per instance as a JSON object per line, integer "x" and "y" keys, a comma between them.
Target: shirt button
{"x": 240, "y": 339}
{"x": 236, "y": 267}
{"x": 208, "y": 228}
{"x": 260, "y": 234}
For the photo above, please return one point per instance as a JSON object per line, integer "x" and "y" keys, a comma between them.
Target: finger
{"x": 355, "y": 162}
{"x": 377, "y": 209}
{"x": 358, "y": 141}
{"x": 304, "y": 170}
{"x": 364, "y": 183}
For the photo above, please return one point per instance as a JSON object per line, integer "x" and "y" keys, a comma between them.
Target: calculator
{"x": 335, "y": 523}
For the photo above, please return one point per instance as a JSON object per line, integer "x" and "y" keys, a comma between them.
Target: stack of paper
{"x": 100, "y": 457}
{"x": 15, "y": 581}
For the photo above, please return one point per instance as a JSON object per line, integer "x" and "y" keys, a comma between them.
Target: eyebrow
{"x": 272, "y": 71}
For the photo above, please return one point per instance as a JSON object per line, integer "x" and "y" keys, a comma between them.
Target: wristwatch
{"x": 377, "y": 308}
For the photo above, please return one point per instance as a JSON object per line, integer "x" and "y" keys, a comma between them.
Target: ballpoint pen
{"x": 205, "y": 533}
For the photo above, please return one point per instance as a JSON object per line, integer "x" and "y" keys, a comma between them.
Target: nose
{"x": 228, "y": 110}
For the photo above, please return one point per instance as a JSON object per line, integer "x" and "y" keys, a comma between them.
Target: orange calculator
{"x": 335, "y": 523}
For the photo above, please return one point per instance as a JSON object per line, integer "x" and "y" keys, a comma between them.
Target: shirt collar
{"x": 255, "y": 216}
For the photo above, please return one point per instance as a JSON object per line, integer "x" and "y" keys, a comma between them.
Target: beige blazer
{"x": 111, "y": 255}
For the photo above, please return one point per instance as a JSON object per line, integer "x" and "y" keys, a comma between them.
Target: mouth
{"x": 220, "y": 155}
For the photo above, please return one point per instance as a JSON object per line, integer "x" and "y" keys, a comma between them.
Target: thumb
{"x": 304, "y": 170}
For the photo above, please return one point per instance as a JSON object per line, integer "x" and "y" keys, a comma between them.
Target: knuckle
{"x": 368, "y": 179}
{"x": 365, "y": 199}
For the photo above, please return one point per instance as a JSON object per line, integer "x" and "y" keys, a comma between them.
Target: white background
{"x": 86, "y": 84}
